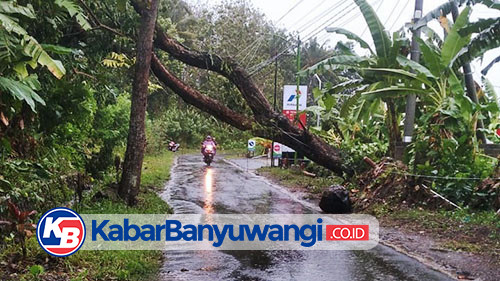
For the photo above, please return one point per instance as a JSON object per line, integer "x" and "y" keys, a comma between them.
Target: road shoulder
{"x": 462, "y": 249}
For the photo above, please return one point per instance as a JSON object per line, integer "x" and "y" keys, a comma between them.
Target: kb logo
{"x": 60, "y": 232}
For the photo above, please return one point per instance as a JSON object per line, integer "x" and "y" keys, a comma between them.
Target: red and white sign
{"x": 277, "y": 150}
{"x": 290, "y": 114}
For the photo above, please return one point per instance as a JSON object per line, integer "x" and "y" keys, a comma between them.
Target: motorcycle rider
{"x": 208, "y": 140}
{"x": 208, "y": 149}
{"x": 173, "y": 146}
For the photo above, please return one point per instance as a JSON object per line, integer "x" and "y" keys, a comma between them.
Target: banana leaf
{"x": 484, "y": 41}
{"x": 351, "y": 36}
{"x": 454, "y": 42}
{"x": 431, "y": 57}
{"x": 11, "y": 7}
{"x": 379, "y": 34}
{"x": 478, "y": 26}
{"x": 405, "y": 62}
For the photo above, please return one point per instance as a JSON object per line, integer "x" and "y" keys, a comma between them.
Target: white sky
{"x": 310, "y": 17}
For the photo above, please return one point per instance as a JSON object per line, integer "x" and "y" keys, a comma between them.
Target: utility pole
{"x": 274, "y": 99}
{"x": 320, "y": 88}
{"x": 469, "y": 81}
{"x": 297, "y": 116}
{"x": 411, "y": 99}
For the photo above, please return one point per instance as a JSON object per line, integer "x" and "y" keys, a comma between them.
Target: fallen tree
{"x": 265, "y": 122}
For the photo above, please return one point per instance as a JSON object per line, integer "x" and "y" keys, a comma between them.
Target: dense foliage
{"x": 445, "y": 149}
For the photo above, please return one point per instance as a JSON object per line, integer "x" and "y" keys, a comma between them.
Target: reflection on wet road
{"x": 224, "y": 189}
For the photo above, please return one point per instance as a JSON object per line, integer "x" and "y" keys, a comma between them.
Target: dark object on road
{"x": 335, "y": 200}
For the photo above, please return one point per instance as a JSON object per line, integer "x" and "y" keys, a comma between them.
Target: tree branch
{"x": 195, "y": 98}
{"x": 314, "y": 147}
{"x": 97, "y": 22}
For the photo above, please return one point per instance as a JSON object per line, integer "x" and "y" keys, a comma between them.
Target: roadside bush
{"x": 189, "y": 127}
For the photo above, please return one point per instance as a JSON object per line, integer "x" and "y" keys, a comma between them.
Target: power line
{"x": 262, "y": 36}
{"x": 376, "y": 11}
{"x": 312, "y": 34}
{"x": 396, "y": 20}
{"x": 261, "y": 65}
{"x": 291, "y": 9}
{"x": 308, "y": 13}
{"x": 392, "y": 12}
{"x": 321, "y": 16}
{"x": 254, "y": 52}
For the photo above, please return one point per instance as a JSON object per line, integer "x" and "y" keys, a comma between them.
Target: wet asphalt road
{"x": 223, "y": 188}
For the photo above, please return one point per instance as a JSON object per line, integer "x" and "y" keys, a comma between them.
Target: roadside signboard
{"x": 251, "y": 145}
{"x": 277, "y": 150}
{"x": 290, "y": 97}
{"x": 290, "y": 103}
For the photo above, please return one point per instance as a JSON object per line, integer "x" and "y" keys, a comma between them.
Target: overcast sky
{"x": 309, "y": 17}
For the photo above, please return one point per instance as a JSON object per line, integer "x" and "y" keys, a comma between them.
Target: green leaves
{"x": 405, "y": 62}
{"x": 478, "y": 26}
{"x": 74, "y": 11}
{"x": 351, "y": 36}
{"x": 21, "y": 91}
{"x": 394, "y": 91}
{"x": 431, "y": 57}
{"x": 11, "y": 7}
{"x": 484, "y": 41}
{"x": 379, "y": 34}
{"x": 11, "y": 24}
{"x": 338, "y": 60}
{"x": 34, "y": 49}
{"x": 454, "y": 42}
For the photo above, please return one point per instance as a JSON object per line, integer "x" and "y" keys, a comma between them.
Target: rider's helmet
{"x": 208, "y": 138}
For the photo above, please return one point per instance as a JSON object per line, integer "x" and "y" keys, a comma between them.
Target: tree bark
{"x": 278, "y": 128}
{"x": 134, "y": 155}
{"x": 266, "y": 119}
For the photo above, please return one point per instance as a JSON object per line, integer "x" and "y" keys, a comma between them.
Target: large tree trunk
{"x": 277, "y": 128}
{"x": 132, "y": 166}
{"x": 265, "y": 121}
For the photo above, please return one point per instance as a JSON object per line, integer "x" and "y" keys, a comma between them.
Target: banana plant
{"x": 437, "y": 80}
{"x": 384, "y": 56}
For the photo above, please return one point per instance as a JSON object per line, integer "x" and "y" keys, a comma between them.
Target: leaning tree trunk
{"x": 265, "y": 122}
{"x": 132, "y": 166}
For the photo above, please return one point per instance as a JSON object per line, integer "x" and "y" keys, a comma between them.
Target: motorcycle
{"x": 208, "y": 151}
{"x": 173, "y": 146}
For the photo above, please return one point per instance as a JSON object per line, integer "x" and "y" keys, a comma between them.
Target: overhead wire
{"x": 366, "y": 27}
{"x": 290, "y": 10}
{"x": 263, "y": 35}
{"x": 392, "y": 12}
{"x": 396, "y": 20}
{"x": 314, "y": 32}
{"x": 321, "y": 16}
{"x": 308, "y": 13}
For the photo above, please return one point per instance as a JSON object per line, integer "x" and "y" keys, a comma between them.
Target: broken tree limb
{"x": 195, "y": 98}
{"x": 269, "y": 123}
{"x": 309, "y": 174}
